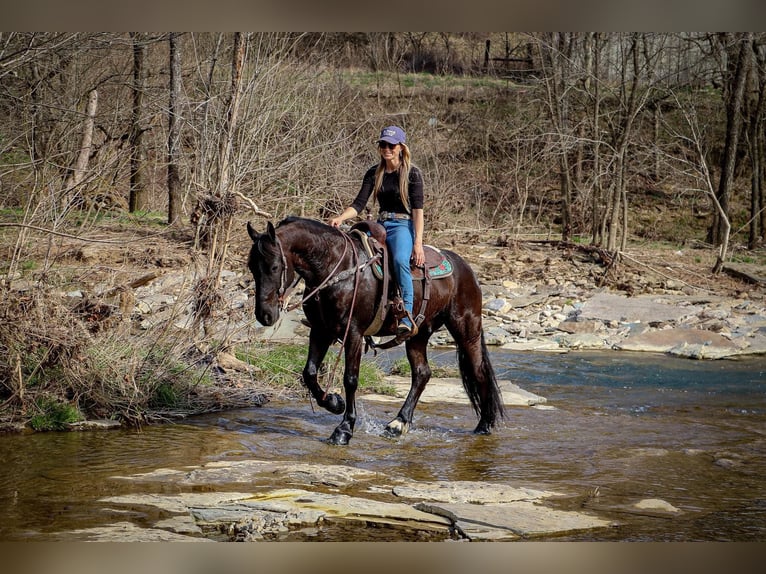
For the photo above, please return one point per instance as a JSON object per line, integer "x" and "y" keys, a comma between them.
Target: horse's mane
{"x": 312, "y": 223}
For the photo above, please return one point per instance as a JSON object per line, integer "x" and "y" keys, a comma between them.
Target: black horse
{"x": 342, "y": 295}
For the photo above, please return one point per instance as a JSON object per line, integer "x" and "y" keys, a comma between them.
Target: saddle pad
{"x": 437, "y": 264}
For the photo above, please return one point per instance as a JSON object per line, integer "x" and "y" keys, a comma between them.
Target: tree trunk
{"x": 733, "y": 127}
{"x": 227, "y": 142}
{"x": 622, "y": 142}
{"x": 556, "y": 51}
{"x": 77, "y": 174}
{"x": 138, "y": 193}
{"x": 174, "y": 132}
{"x": 597, "y": 217}
{"x": 756, "y": 140}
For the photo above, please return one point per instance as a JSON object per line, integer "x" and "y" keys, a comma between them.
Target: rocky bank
{"x": 538, "y": 300}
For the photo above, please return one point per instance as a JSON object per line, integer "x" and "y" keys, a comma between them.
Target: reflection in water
{"x": 625, "y": 428}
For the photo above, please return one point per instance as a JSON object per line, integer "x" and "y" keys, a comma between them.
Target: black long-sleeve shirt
{"x": 389, "y": 198}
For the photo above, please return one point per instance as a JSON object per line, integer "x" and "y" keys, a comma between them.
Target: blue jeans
{"x": 400, "y": 240}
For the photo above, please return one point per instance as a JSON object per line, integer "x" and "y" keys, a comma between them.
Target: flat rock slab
{"x": 340, "y": 506}
{"x": 513, "y": 520}
{"x": 128, "y": 532}
{"x": 257, "y": 471}
{"x": 275, "y": 511}
{"x": 644, "y": 309}
{"x": 476, "y": 510}
{"x": 692, "y": 343}
{"x": 450, "y": 390}
{"x": 470, "y": 492}
{"x": 546, "y": 346}
{"x": 752, "y": 273}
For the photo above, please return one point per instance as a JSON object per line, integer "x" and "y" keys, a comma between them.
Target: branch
{"x": 85, "y": 239}
{"x": 251, "y": 203}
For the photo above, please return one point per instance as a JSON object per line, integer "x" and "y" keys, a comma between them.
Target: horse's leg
{"x": 318, "y": 346}
{"x": 345, "y": 430}
{"x": 421, "y": 374}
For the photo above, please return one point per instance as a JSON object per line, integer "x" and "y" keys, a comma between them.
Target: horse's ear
{"x": 271, "y": 231}
{"x": 251, "y": 232}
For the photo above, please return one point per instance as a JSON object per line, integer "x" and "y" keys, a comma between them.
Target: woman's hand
{"x": 419, "y": 255}
{"x": 348, "y": 213}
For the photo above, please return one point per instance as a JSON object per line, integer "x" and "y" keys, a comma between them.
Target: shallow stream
{"x": 625, "y": 428}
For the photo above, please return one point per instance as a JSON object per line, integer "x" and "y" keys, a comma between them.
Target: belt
{"x": 393, "y": 215}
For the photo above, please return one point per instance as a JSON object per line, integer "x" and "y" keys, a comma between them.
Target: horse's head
{"x": 271, "y": 272}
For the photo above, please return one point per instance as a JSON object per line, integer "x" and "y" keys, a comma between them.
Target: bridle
{"x": 284, "y": 292}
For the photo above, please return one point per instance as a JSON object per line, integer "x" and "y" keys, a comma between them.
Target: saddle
{"x": 372, "y": 236}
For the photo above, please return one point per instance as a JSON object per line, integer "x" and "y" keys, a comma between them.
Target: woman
{"x": 397, "y": 185}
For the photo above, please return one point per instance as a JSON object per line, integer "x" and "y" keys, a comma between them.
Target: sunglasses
{"x": 384, "y": 145}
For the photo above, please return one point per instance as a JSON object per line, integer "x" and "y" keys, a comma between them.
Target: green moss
{"x": 53, "y": 415}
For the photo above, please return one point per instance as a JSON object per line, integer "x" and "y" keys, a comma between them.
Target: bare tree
{"x": 736, "y": 93}
{"x": 174, "y": 131}
{"x": 556, "y": 52}
{"x": 77, "y": 173}
{"x": 756, "y": 108}
{"x": 138, "y": 192}
{"x": 698, "y": 169}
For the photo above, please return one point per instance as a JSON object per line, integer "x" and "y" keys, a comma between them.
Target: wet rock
{"x": 475, "y": 510}
{"x": 450, "y": 390}
{"x": 98, "y": 424}
{"x": 470, "y": 492}
{"x": 510, "y": 521}
{"x": 255, "y": 471}
{"x": 128, "y": 532}
{"x": 691, "y": 343}
{"x": 535, "y": 345}
{"x": 655, "y": 505}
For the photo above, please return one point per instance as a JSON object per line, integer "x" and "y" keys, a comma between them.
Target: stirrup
{"x": 405, "y": 331}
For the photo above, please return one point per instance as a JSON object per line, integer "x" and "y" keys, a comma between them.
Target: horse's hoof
{"x": 395, "y": 428}
{"x": 334, "y": 403}
{"x": 339, "y": 437}
{"x": 483, "y": 428}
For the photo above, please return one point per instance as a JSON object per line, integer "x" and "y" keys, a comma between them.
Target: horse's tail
{"x": 480, "y": 383}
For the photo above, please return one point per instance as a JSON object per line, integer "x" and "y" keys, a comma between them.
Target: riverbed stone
{"x": 691, "y": 343}
{"x": 611, "y": 307}
{"x": 580, "y": 341}
{"x": 128, "y": 532}
{"x": 256, "y": 471}
{"x": 580, "y": 327}
{"x": 520, "y": 314}
{"x": 94, "y": 424}
{"x": 478, "y": 511}
{"x": 656, "y": 505}
{"x": 450, "y": 390}
{"x": 510, "y": 521}
{"x": 469, "y": 492}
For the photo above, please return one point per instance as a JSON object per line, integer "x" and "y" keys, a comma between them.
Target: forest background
{"x": 597, "y": 139}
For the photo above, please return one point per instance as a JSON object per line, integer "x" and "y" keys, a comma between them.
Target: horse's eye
{"x": 274, "y": 269}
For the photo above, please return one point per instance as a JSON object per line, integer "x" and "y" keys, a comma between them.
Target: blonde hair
{"x": 404, "y": 176}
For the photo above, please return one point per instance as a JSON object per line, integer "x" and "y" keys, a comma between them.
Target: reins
{"x": 331, "y": 279}
{"x": 350, "y": 315}
{"x": 284, "y": 294}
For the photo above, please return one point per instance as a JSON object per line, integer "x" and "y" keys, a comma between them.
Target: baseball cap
{"x": 392, "y": 135}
